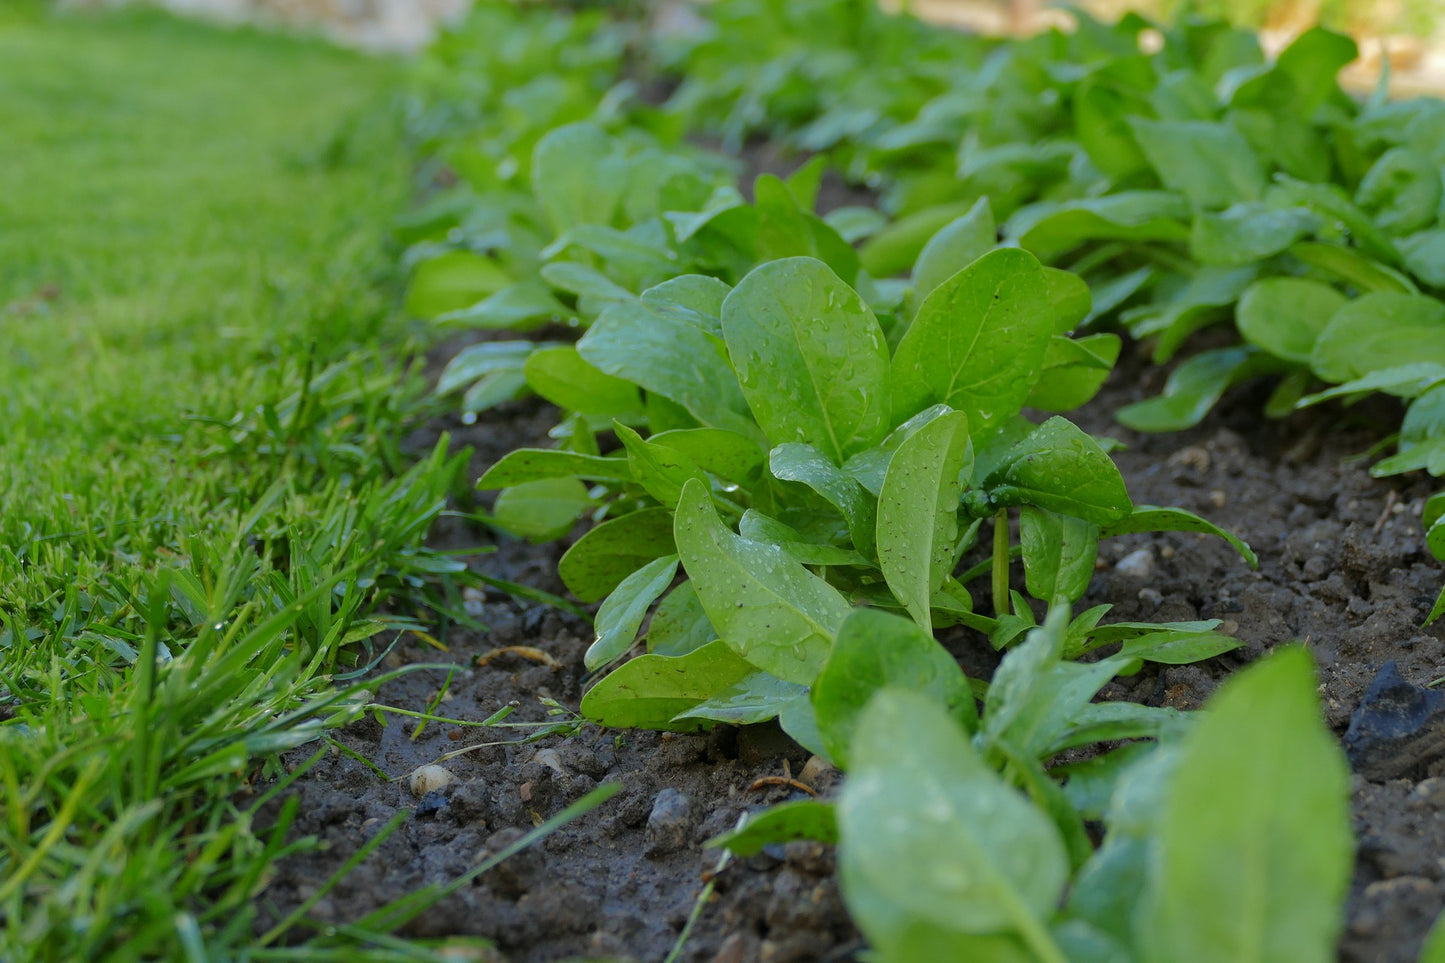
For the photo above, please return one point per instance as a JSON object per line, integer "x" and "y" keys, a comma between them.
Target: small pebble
{"x": 1139, "y": 564}
{"x": 550, "y": 759}
{"x": 430, "y": 779}
{"x": 670, "y": 823}
{"x": 814, "y": 769}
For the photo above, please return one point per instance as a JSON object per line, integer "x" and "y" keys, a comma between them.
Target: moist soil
{"x": 1342, "y": 569}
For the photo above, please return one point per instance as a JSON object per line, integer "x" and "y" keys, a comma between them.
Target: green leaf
{"x": 659, "y": 470}
{"x": 521, "y": 306}
{"x": 650, "y": 691}
{"x": 810, "y": 356}
{"x": 1151, "y": 518}
{"x": 1074, "y": 371}
{"x": 665, "y": 353}
{"x": 1425, "y": 256}
{"x": 918, "y": 512}
{"x": 807, "y": 465}
{"x": 1252, "y": 880}
{"x": 1178, "y": 648}
{"x": 1380, "y": 330}
{"x": 541, "y": 510}
{"x": 753, "y": 699}
{"x": 1060, "y": 468}
{"x": 770, "y": 609}
{"x": 535, "y": 464}
{"x": 1312, "y": 61}
{"x": 622, "y": 612}
{"x": 578, "y": 175}
{"x": 895, "y": 248}
{"x": 1434, "y": 949}
{"x": 1285, "y": 315}
{"x": 679, "y": 625}
{"x": 1351, "y": 224}
{"x": 700, "y": 293}
{"x": 564, "y": 378}
{"x": 602, "y": 558}
{"x": 931, "y": 838}
{"x": 783, "y": 823}
{"x": 957, "y": 245}
{"x": 1402, "y": 190}
{"x": 1209, "y": 163}
{"x": 1049, "y": 229}
{"x": 1248, "y": 232}
{"x": 1352, "y": 267}
{"x": 977, "y": 343}
{"x": 730, "y": 456}
{"x": 875, "y": 650}
{"x": 1422, "y": 437}
{"x": 1069, "y": 298}
{"x": 451, "y": 281}
{"x": 479, "y": 360}
{"x": 1059, "y": 553}
{"x": 761, "y": 528}
{"x": 1190, "y": 391}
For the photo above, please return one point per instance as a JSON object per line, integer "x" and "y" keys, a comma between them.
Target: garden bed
{"x": 1341, "y": 567}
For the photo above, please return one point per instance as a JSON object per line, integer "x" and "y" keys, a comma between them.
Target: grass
{"x": 202, "y": 500}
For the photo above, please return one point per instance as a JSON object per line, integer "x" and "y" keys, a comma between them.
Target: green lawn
{"x": 201, "y": 497}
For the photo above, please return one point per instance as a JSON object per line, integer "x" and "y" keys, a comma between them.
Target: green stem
{"x": 1000, "y": 563}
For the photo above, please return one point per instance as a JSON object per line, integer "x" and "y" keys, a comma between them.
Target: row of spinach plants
{"x": 792, "y": 432}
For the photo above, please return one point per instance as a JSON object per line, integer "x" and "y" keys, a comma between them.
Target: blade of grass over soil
{"x": 202, "y": 501}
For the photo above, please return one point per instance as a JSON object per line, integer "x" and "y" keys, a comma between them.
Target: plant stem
{"x": 1000, "y": 563}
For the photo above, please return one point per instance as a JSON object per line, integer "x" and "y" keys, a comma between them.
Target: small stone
{"x": 1432, "y": 791}
{"x": 1151, "y": 596}
{"x": 670, "y": 823}
{"x": 815, "y": 769}
{"x": 430, "y": 779}
{"x": 1138, "y": 564}
{"x": 550, "y": 759}
{"x": 1218, "y": 499}
{"x": 431, "y": 804}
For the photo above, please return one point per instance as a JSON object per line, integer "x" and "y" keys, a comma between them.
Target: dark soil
{"x": 1342, "y": 568}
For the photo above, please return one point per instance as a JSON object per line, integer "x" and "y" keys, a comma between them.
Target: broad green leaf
{"x": 1312, "y": 61}
{"x": 1352, "y": 267}
{"x": 1111, "y": 721}
{"x": 807, "y": 465}
{"x": 1248, "y": 232}
{"x": 1377, "y": 331}
{"x": 869, "y": 467}
{"x": 1402, "y": 191}
{"x": 918, "y": 512}
{"x": 977, "y": 342}
{"x": 589, "y": 284}
{"x": 535, "y": 464}
{"x": 761, "y": 528}
{"x": 855, "y": 224}
{"x": 1059, "y": 553}
{"x": 451, "y": 281}
{"x": 494, "y": 388}
{"x": 1070, "y": 300}
{"x": 874, "y": 650}
{"x": 730, "y": 456}
{"x": 521, "y": 306}
{"x": 1060, "y": 468}
{"x": 1101, "y": 121}
{"x": 679, "y": 625}
{"x": 785, "y": 822}
{"x": 696, "y": 292}
{"x": 622, "y": 612}
{"x": 753, "y": 699}
{"x": 769, "y": 608}
{"x": 602, "y": 558}
{"x": 1422, "y": 437}
{"x": 478, "y": 360}
{"x": 1178, "y": 311}
{"x": 931, "y": 836}
{"x": 1252, "y": 881}
{"x": 661, "y": 471}
{"x": 1425, "y": 256}
{"x": 1074, "y": 370}
{"x": 1209, "y": 163}
{"x": 1351, "y": 224}
{"x": 1285, "y": 315}
{"x": 810, "y": 356}
{"x": 1151, "y": 518}
{"x": 960, "y": 243}
{"x": 650, "y": 691}
{"x": 895, "y": 248}
{"x": 564, "y": 378}
{"x": 1036, "y": 696}
{"x": 1191, "y": 390}
{"x": 661, "y": 353}
{"x": 541, "y": 510}
{"x": 1051, "y": 229}
{"x": 1178, "y": 648}
{"x": 1402, "y": 381}
{"x": 578, "y": 175}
